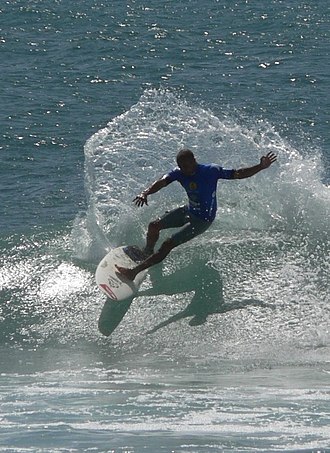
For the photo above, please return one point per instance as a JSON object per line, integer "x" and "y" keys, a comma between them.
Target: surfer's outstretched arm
{"x": 142, "y": 199}
{"x": 265, "y": 162}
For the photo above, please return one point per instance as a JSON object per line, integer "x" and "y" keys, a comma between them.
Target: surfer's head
{"x": 186, "y": 162}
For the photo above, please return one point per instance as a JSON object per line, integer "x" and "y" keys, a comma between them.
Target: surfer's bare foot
{"x": 128, "y": 273}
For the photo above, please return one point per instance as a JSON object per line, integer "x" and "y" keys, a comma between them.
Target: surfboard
{"x": 110, "y": 282}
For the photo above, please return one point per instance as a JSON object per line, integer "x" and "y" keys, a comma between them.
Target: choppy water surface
{"x": 226, "y": 348}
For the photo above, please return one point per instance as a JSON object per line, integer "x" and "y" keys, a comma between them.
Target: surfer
{"x": 200, "y": 183}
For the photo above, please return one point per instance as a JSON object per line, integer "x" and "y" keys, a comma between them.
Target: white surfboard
{"x": 114, "y": 285}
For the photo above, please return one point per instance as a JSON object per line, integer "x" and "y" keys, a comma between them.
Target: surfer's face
{"x": 188, "y": 167}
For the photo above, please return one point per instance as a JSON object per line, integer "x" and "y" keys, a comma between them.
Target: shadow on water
{"x": 199, "y": 278}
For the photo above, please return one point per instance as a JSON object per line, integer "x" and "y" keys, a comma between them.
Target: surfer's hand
{"x": 267, "y": 160}
{"x": 141, "y": 199}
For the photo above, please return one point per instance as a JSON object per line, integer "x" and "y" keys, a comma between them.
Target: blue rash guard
{"x": 201, "y": 188}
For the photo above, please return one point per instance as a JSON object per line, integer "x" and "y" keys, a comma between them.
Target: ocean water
{"x": 96, "y": 99}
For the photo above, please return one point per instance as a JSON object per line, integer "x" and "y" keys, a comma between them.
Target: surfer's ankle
{"x": 148, "y": 250}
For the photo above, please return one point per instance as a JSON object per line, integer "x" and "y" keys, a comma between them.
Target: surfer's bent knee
{"x": 155, "y": 226}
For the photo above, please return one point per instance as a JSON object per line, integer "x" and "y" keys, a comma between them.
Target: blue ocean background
{"x": 96, "y": 99}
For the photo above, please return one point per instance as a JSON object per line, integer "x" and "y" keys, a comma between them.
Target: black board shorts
{"x": 181, "y": 217}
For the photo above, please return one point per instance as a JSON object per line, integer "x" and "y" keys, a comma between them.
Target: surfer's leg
{"x": 179, "y": 217}
{"x": 176, "y": 218}
{"x": 171, "y": 219}
{"x": 156, "y": 258}
{"x": 152, "y": 236}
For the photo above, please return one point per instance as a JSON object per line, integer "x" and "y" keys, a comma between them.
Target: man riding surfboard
{"x": 200, "y": 183}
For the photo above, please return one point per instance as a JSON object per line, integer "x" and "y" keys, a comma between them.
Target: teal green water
{"x": 96, "y": 101}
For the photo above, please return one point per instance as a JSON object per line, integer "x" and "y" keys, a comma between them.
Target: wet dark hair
{"x": 184, "y": 155}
